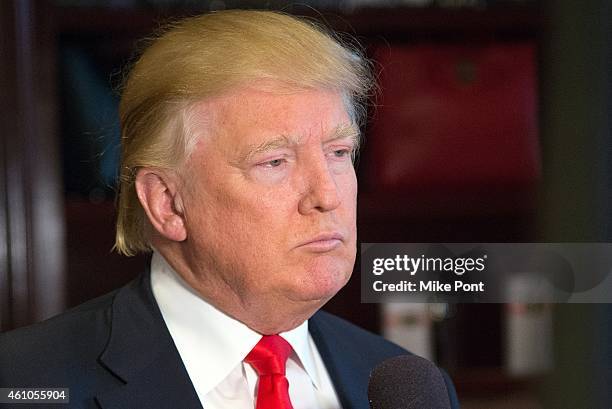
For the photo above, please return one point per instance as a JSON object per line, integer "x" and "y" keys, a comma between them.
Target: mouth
{"x": 324, "y": 242}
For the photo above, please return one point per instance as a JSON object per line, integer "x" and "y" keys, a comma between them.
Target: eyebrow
{"x": 343, "y": 131}
{"x": 266, "y": 146}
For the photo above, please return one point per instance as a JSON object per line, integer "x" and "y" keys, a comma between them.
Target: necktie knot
{"x": 269, "y": 356}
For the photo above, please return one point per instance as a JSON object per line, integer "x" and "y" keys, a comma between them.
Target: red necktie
{"x": 268, "y": 358}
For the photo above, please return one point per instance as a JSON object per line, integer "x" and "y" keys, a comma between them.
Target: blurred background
{"x": 492, "y": 124}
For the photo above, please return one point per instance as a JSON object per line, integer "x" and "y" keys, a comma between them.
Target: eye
{"x": 274, "y": 163}
{"x": 342, "y": 153}
{"x": 339, "y": 153}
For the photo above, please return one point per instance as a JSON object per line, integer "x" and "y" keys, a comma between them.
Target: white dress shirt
{"x": 213, "y": 346}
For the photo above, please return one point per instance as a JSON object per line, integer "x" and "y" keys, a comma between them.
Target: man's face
{"x": 269, "y": 198}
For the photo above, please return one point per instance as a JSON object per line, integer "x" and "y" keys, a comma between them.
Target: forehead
{"x": 250, "y": 115}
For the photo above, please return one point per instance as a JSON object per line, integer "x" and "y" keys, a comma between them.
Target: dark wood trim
{"x": 7, "y": 112}
{"x": 32, "y": 219}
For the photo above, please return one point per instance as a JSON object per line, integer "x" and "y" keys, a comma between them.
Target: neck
{"x": 267, "y": 317}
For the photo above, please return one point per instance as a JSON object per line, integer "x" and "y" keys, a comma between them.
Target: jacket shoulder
{"x": 361, "y": 351}
{"x": 66, "y": 344}
{"x": 352, "y": 337}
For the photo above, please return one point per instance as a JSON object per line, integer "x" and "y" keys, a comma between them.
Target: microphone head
{"x": 407, "y": 382}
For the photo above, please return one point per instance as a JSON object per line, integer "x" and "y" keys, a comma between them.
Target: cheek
{"x": 253, "y": 223}
{"x": 349, "y": 197}
{"x": 348, "y": 192}
{"x": 228, "y": 241}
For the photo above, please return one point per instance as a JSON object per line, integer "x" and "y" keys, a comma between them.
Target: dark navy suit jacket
{"x": 116, "y": 352}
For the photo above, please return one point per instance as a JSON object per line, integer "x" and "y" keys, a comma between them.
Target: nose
{"x": 321, "y": 190}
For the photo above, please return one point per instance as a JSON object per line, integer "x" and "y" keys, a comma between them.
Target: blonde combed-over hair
{"x": 205, "y": 56}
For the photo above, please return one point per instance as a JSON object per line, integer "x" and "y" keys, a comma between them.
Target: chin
{"x": 323, "y": 281}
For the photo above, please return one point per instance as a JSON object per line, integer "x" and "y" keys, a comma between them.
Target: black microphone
{"x": 407, "y": 382}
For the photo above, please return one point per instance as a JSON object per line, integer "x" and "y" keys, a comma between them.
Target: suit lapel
{"x": 343, "y": 363}
{"x": 141, "y": 353}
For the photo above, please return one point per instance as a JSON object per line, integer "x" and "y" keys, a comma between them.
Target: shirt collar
{"x": 298, "y": 338}
{"x": 210, "y": 342}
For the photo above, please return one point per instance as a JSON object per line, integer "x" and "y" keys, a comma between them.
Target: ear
{"x": 159, "y": 197}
